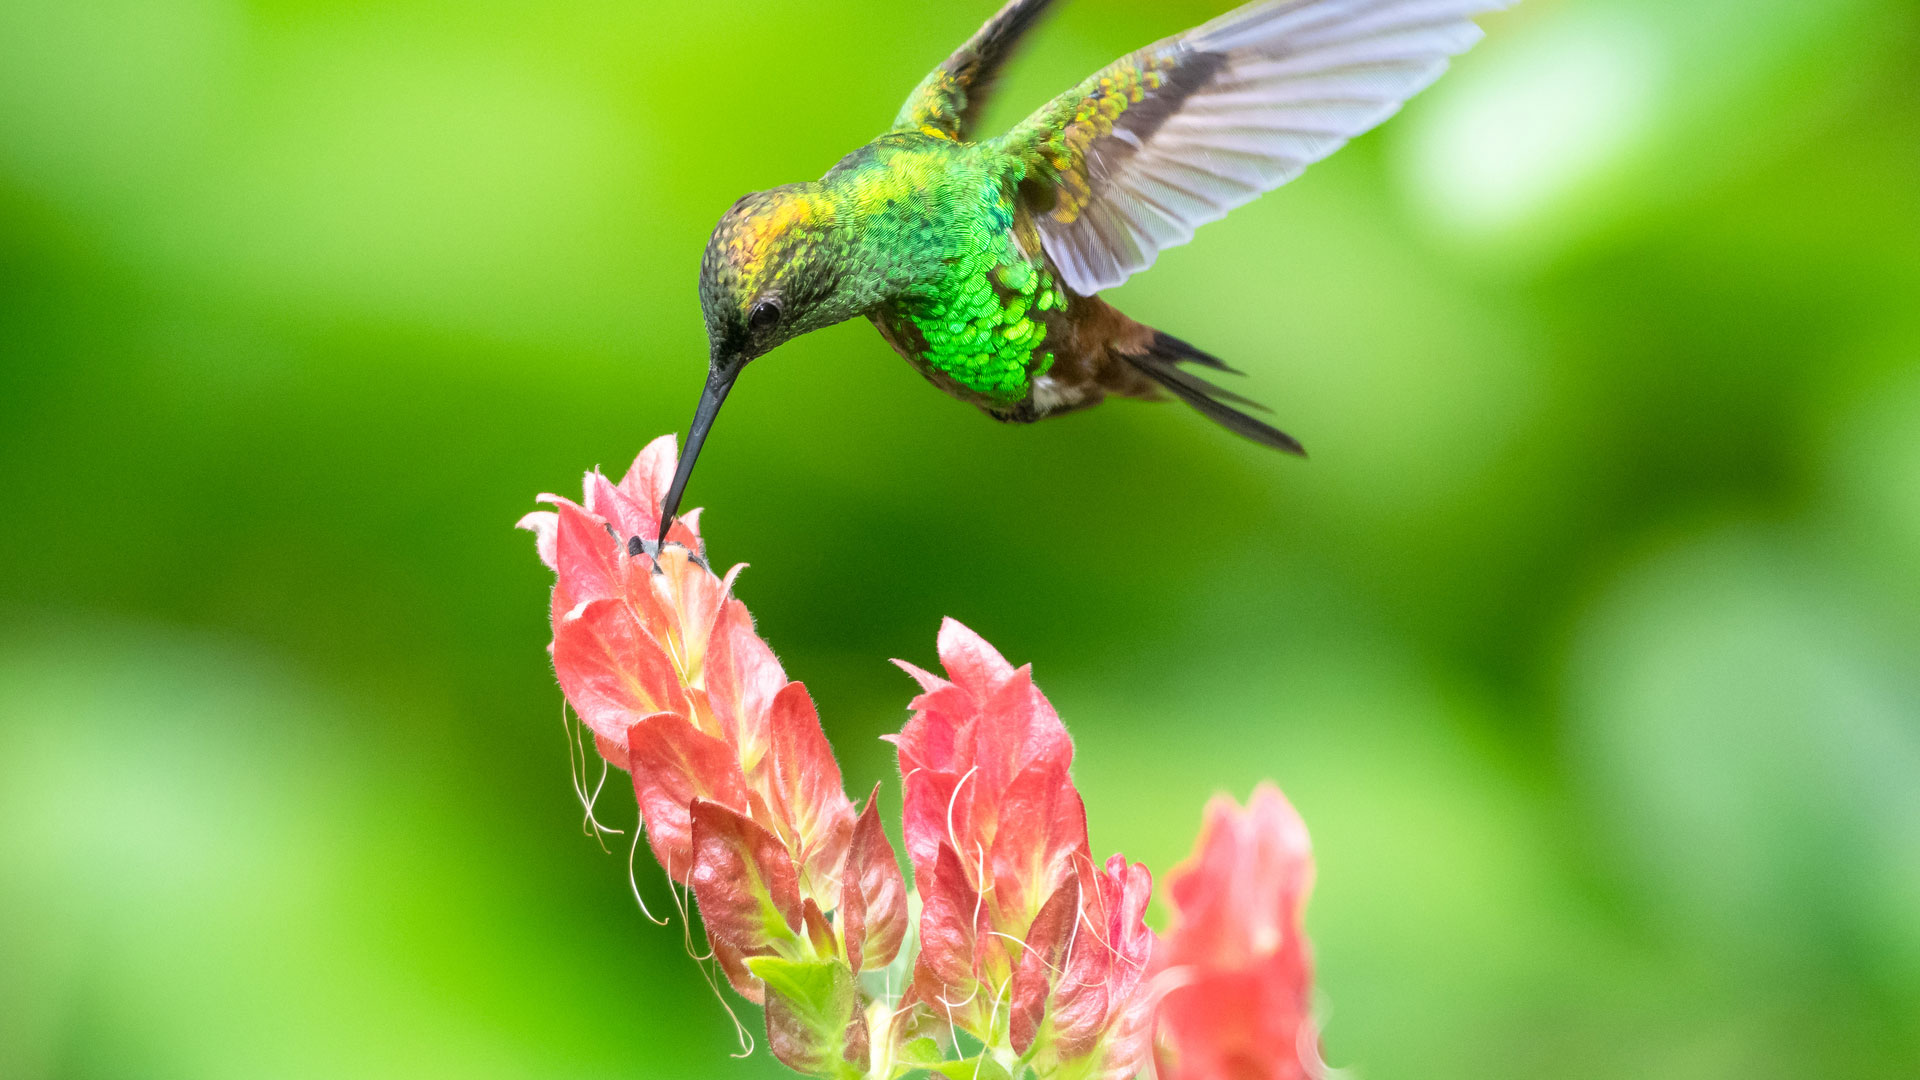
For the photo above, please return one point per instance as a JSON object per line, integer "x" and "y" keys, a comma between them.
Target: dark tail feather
{"x": 1161, "y": 364}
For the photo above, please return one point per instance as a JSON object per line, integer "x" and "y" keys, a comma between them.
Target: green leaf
{"x": 921, "y": 1053}
{"x": 802, "y": 980}
{"x": 813, "y": 1015}
{"x": 973, "y": 1068}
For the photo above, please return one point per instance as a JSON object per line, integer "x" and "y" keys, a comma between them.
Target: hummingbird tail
{"x": 1160, "y": 361}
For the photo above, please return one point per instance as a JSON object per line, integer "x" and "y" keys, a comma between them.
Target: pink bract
{"x": 1237, "y": 956}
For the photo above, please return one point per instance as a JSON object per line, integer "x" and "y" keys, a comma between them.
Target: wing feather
{"x": 948, "y": 102}
{"x": 1179, "y": 134}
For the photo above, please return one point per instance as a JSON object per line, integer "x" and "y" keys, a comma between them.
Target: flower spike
{"x": 737, "y": 786}
{"x": 1022, "y": 936}
{"x": 1237, "y": 957}
{"x": 1025, "y": 943}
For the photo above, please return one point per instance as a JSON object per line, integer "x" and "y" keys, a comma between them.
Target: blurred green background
{"x": 1588, "y": 642}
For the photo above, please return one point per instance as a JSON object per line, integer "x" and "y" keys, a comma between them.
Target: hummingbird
{"x": 981, "y": 260}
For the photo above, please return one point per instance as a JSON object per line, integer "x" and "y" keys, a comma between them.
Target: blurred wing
{"x": 1174, "y": 136}
{"x": 947, "y": 103}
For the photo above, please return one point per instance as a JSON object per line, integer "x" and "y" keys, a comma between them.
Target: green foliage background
{"x": 1586, "y": 642}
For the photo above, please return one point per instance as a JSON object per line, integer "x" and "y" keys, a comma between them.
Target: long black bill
{"x": 719, "y": 381}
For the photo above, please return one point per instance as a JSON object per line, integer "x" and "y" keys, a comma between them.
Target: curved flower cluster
{"x": 1034, "y": 952}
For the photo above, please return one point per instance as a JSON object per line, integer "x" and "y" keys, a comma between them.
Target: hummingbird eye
{"x": 764, "y": 316}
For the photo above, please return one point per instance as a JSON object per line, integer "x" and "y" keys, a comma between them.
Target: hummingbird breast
{"x": 972, "y": 298}
{"x": 973, "y": 302}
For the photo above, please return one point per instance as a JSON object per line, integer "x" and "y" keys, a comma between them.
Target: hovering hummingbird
{"x": 981, "y": 260}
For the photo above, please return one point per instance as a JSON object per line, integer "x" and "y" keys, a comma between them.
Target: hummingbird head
{"x": 769, "y": 275}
